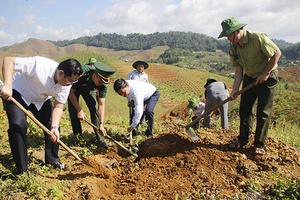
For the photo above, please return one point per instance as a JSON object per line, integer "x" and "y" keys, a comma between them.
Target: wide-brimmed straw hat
{"x": 229, "y": 26}
{"x": 139, "y": 62}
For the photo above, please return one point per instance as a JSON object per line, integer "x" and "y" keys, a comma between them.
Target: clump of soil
{"x": 171, "y": 164}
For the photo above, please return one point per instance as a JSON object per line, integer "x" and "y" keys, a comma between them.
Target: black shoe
{"x": 237, "y": 144}
{"x": 134, "y": 133}
{"x": 75, "y": 142}
{"x": 149, "y": 136}
{"x": 21, "y": 173}
{"x": 102, "y": 144}
{"x": 59, "y": 165}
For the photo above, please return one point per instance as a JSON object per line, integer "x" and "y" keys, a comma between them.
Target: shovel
{"x": 112, "y": 139}
{"x": 187, "y": 127}
{"x": 31, "y": 116}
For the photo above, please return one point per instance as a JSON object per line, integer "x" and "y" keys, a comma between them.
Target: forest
{"x": 188, "y": 41}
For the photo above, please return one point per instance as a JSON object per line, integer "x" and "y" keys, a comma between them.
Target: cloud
{"x": 204, "y": 16}
{"x": 52, "y": 33}
{"x": 2, "y": 21}
{"x": 51, "y": 21}
{"x": 8, "y": 39}
{"x": 28, "y": 19}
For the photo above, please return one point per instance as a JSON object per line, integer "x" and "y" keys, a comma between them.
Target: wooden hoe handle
{"x": 43, "y": 127}
{"x": 112, "y": 139}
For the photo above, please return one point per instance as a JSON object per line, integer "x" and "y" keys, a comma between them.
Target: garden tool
{"x": 112, "y": 139}
{"x": 187, "y": 127}
{"x": 31, "y": 116}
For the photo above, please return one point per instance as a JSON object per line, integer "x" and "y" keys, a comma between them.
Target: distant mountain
{"x": 33, "y": 47}
{"x": 282, "y": 44}
{"x": 115, "y": 45}
{"x": 173, "y": 39}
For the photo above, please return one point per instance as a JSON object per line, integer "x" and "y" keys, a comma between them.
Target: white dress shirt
{"x": 135, "y": 75}
{"x": 34, "y": 80}
{"x": 139, "y": 92}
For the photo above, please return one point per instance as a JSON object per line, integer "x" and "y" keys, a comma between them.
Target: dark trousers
{"x": 90, "y": 99}
{"x": 264, "y": 94}
{"x": 149, "y": 112}
{"x": 18, "y": 129}
{"x": 131, "y": 114}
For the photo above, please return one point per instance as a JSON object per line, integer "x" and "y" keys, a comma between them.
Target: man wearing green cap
{"x": 92, "y": 86}
{"x": 255, "y": 58}
{"x": 197, "y": 107}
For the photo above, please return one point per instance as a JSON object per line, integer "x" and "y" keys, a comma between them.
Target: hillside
{"x": 33, "y": 47}
{"x": 170, "y": 165}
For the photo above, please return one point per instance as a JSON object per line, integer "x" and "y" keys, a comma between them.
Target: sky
{"x": 70, "y": 19}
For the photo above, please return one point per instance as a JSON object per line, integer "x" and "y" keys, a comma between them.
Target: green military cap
{"x": 104, "y": 71}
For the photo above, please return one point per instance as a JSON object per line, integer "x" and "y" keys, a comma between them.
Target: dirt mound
{"x": 171, "y": 164}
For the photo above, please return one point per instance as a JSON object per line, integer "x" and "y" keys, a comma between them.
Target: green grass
{"x": 288, "y": 132}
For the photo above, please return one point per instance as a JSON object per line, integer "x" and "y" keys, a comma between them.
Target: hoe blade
{"x": 192, "y": 135}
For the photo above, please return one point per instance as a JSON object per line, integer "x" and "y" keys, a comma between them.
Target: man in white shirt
{"x": 142, "y": 93}
{"x": 35, "y": 81}
{"x": 138, "y": 73}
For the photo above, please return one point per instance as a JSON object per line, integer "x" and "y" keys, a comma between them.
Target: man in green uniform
{"x": 92, "y": 86}
{"x": 255, "y": 58}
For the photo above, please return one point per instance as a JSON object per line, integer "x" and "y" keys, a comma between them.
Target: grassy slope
{"x": 177, "y": 85}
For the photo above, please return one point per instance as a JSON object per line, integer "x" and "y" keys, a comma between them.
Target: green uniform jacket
{"x": 254, "y": 55}
{"x": 85, "y": 82}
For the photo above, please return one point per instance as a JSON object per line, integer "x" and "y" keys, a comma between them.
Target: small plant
{"x": 254, "y": 184}
{"x": 286, "y": 189}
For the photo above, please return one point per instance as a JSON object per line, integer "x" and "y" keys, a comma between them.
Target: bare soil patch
{"x": 171, "y": 164}
{"x": 290, "y": 74}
